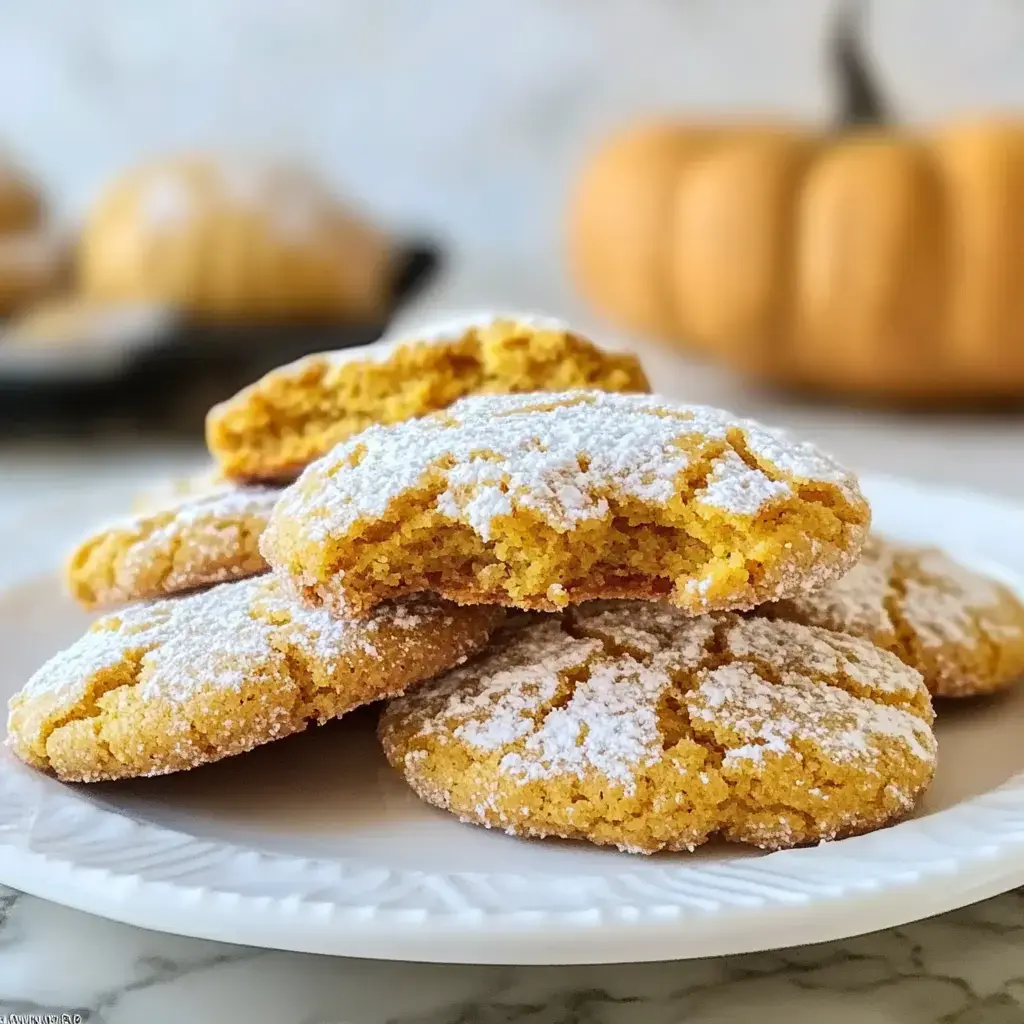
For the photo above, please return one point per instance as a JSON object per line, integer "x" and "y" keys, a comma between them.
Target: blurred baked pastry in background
{"x": 233, "y": 241}
{"x": 21, "y": 203}
{"x": 33, "y": 264}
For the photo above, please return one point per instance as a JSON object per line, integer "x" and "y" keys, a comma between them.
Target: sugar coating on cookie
{"x": 962, "y": 630}
{"x": 536, "y": 501}
{"x": 180, "y": 545}
{"x": 633, "y": 725}
{"x": 168, "y": 685}
{"x": 274, "y": 428}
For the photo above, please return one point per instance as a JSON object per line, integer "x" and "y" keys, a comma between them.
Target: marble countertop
{"x": 966, "y": 967}
{"x": 962, "y": 968}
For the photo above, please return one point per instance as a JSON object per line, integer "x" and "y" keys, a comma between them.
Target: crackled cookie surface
{"x": 169, "y": 685}
{"x": 536, "y": 501}
{"x": 275, "y": 427}
{"x": 630, "y": 724}
{"x": 962, "y": 630}
{"x": 179, "y": 545}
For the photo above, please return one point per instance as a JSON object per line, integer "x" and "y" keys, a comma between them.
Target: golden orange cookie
{"x": 537, "y": 501}
{"x": 633, "y": 725}
{"x": 169, "y": 685}
{"x": 177, "y": 546}
{"x": 962, "y": 630}
{"x": 293, "y": 415}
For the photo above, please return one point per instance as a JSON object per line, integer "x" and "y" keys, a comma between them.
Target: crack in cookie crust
{"x": 536, "y": 501}
{"x": 962, "y": 630}
{"x": 192, "y": 542}
{"x": 627, "y": 723}
{"x": 166, "y": 686}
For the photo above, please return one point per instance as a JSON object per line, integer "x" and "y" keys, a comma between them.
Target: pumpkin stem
{"x": 860, "y": 98}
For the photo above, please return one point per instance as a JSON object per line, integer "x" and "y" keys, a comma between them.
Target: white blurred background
{"x": 465, "y": 121}
{"x": 464, "y": 118}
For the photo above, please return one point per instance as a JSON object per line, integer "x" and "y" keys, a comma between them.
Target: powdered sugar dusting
{"x": 582, "y": 694}
{"x": 202, "y": 538}
{"x": 936, "y": 599}
{"x": 561, "y": 455}
{"x": 651, "y": 631}
{"x": 800, "y": 461}
{"x": 762, "y": 717}
{"x": 858, "y": 601}
{"x": 211, "y": 640}
{"x": 444, "y": 332}
{"x": 610, "y": 726}
{"x": 456, "y": 327}
{"x": 786, "y": 646}
{"x": 944, "y": 602}
{"x": 734, "y": 487}
{"x": 227, "y": 503}
{"x": 499, "y": 707}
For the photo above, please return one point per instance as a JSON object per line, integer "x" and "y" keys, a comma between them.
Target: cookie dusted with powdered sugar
{"x": 630, "y": 724}
{"x": 962, "y": 630}
{"x": 181, "y": 544}
{"x": 296, "y": 413}
{"x": 169, "y": 685}
{"x": 538, "y": 501}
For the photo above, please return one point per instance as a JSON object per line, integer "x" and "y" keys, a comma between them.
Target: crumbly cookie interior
{"x": 695, "y": 555}
{"x": 276, "y": 427}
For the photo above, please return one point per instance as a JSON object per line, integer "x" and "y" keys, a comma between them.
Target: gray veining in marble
{"x": 964, "y": 968}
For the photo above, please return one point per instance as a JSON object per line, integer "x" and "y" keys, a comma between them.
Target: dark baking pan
{"x": 166, "y": 380}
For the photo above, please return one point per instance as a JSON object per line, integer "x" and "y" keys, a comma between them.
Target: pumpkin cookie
{"x": 295, "y": 414}
{"x": 197, "y": 540}
{"x": 536, "y": 501}
{"x": 963, "y": 631}
{"x": 169, "y": 685}
{"x": 632, "y": 725}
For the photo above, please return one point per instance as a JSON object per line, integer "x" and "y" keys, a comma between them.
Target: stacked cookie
{"x": 207, "y": 655}
{"x": 675, "y": 629}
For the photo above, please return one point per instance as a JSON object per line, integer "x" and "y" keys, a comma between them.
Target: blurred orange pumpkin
{"x": 870, "y": 262}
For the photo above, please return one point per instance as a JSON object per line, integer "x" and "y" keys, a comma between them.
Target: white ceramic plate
{"x": 315, "y": 844}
